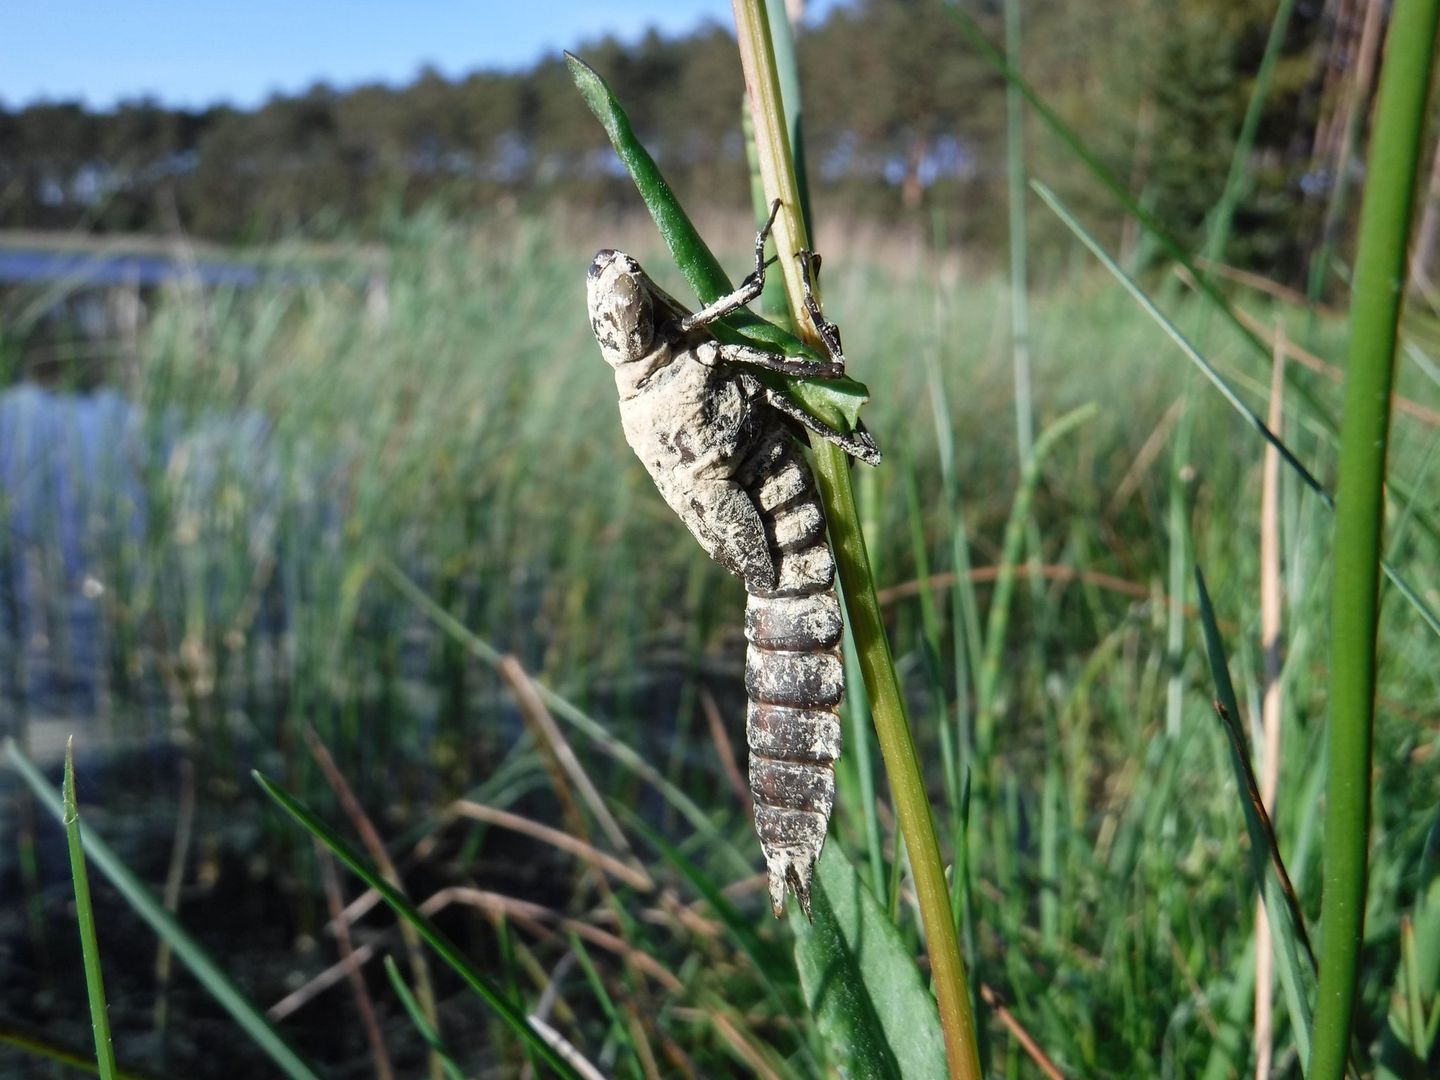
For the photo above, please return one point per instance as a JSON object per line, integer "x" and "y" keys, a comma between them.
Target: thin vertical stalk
{"x": 1353, "y": 114}
{"x": 998, "y": 621}
{"x": 1271, "y": 598}
{"x": 1179, "y": 536}
{"x": 1375, "y": 311}
{"x": 1019, "y": 269}
{"x": 1224, "y": 214}
{"x": 85, "y": 916}
{"x": 787, "y": 70}
{"x": 892, "y": 728}
{"x": 1428, "y": 238}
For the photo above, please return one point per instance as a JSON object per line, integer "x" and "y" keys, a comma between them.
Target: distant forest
{"x": 905, "y": 121}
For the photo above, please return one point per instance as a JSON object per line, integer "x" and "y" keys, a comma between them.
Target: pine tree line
{"x": 905, "y": 121}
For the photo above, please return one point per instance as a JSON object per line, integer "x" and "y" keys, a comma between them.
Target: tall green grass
{"x": 468, "y": 437}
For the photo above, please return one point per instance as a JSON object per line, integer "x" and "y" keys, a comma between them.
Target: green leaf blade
{"x": 861, "y": 983}
{"x": 1298, "y": 976}
{"x": 85, "y": 917}
{"x": 694, "y": 257}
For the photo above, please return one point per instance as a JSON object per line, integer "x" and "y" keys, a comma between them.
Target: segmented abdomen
{"x": 793, "y": 672}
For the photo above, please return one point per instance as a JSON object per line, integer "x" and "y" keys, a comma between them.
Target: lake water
{"x": 32, "y": 266}
{"x": 76, "y": 472}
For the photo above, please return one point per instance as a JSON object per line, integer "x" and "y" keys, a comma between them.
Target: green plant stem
{"x": 1000, "y": 604}
{"x": 892, "y": 728}
{"x": 1375, "y": 311}
{"x": 85, "y": 916}
{"x": 1019, "y": 270}
{"x": 1224, "y": 213}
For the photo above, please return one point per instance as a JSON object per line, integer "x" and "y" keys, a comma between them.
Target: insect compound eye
{"x": 622, "y": 309}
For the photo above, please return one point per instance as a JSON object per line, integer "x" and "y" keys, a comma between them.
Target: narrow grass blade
{"x": 1173, "y": 332}
{"x": 216, "y": 982}
{"x": 420, "y": 1021}
{"x": 787, "y": 67}
{"x": 1364, "y": 444}
{"x": 1226, "y": 390}
{"x": 859, "y": 736}
{"x": 999, "y": 617}
{"x": 68, "y": 1056}
{"x": 1019, "y": 245}
{"x": 1224, "y": 213}
{"x": 491, "y": 995}
{"x": 772, "y": 298}
{"x": 618, "y": 1029}
{"x": 692, "y": 255}
{"x": 1297, "y": 961}
{"x": 876, "y": 1013}
{"x": 85, "y": 916}
{"x": 1147, "y": 220}
{"x": 824, "y": 398}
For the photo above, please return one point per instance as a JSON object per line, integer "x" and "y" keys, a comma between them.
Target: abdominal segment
{"x": 794, "y": 676}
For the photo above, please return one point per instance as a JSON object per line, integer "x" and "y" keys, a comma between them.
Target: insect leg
{"x": 749, "y": 289}
{"x": 785, "y": 365}
{"x": 859, "y": 444}
{"x": 828, "y": 331}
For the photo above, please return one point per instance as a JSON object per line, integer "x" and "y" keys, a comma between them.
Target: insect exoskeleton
{"x": 723, "y": 451}
{"x": 794, "y": 677}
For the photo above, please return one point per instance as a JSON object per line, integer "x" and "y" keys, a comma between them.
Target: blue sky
{"x": 202, "y": 51}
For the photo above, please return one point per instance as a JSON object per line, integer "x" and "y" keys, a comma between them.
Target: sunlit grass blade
{"x": 1226, "y": 390}
{"x": 860, "y": 981}
{"x": 1364, "y": 445}
{"x": 85, "y": 917}
{"x": 1297, "y": 961}
{"x": 420, "y": 1021}
{"x": 216, "y": 982}
{"x": 999, "y": 617}
{"x": 444, "y": 948}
